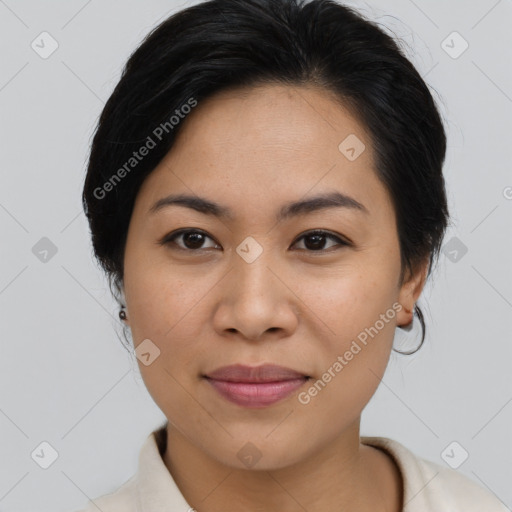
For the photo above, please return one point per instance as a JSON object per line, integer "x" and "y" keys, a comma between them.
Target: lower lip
{"x": 256, "y": 395}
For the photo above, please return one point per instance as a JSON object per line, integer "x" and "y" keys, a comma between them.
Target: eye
{"x": 316, "y": 240}
{"x": 192, "y": 239}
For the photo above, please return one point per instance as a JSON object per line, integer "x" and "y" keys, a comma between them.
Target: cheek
{"x": 356, "y": 325}
{"x": 164, "y": 308}
{"x": 353, "y": 352}
{"x": 347, "y": 303}
{"x": 170, "y": 309}
{"x": 157, "y": 298}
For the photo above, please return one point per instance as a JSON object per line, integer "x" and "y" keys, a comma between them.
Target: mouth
{"x": 255, "y": 387}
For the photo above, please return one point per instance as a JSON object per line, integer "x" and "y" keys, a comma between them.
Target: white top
{"x": 428, "y": 487}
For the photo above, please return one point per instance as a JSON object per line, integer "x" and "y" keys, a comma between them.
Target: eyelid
{"x": 342, "y": 240}
{"x": 169, "y": 237}
{"x": 324, "y": 232}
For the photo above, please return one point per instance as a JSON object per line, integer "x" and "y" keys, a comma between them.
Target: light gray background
{"x": 65, "y": 377}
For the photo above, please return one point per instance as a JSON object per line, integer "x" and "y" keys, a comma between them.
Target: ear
{"x": 123, "y": 303}
{"x": 410, "y": 291}
{"x": 126, "y": 320}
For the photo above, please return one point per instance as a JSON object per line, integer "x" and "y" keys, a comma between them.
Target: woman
{"x": 265, "y": 193}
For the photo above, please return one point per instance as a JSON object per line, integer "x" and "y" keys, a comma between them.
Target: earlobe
{"x": 409, "y": 293}
{"x": 405, "y": 317}
{"x": 122, "y": 315}
{"x": 122, "y": 311}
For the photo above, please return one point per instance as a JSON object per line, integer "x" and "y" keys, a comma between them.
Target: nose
{"x": 256, "y": 300}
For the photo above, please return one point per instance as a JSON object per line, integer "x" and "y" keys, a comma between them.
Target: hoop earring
{"x": 408, "y": 328}
{"x": 122, "y": 314}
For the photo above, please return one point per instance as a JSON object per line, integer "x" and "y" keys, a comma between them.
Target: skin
{"x": 254, "y": 150}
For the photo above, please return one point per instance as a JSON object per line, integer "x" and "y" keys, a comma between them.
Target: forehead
{"x": 271, "y": 115}
{"x": 264, "y": 145}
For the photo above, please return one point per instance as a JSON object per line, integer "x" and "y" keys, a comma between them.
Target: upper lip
{"x": 263, "y": 373}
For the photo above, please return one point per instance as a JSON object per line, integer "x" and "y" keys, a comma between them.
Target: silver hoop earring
{"x": 412, "y": 327}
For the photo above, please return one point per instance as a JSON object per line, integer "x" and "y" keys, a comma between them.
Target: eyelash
{"x": 170, "y": 239}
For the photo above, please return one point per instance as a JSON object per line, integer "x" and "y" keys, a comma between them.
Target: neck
{"x": 343, "y": 475}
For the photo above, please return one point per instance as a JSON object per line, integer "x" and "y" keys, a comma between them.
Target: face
{"x": 206, "y": 289}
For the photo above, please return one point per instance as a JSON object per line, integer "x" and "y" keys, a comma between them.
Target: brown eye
{"x": 316, "y": 240}
{"x": 191, "y": 240}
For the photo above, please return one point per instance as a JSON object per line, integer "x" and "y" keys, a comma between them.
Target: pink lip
{"x": 255, "y": 386}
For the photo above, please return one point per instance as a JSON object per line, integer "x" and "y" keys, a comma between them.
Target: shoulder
{"x": 125, "y": 498}
{"x": 429, "y": 486}
{"x": 152, "y": 487}
{"x": 122, "y": 499}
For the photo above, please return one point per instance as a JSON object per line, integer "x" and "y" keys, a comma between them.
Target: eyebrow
{"x": 293, "y": 209}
